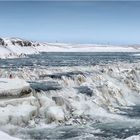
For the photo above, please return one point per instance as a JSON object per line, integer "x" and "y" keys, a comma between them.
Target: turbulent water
{"x": 96, "y": 94}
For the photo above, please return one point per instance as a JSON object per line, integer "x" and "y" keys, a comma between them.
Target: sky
{"x": 101, "y": 22}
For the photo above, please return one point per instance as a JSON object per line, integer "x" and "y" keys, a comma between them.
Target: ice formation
{"x": 69, "y": 95}
{"x": 17, "y": 105}
{"x": 13, "y": 87}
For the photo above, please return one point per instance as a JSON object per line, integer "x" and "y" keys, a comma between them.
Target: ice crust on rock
{"x": 13, "y": 87}
{"x": 17, "y": 106}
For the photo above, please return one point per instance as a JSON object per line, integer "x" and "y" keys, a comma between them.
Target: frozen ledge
{"x": 17, "y": 104}
{"x": 13, "y": 87}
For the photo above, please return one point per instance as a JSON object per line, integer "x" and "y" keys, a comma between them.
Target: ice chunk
{"x": 13, "y": 87}
{"x": 18, "y": 111}
{"x": 55, "y": 113}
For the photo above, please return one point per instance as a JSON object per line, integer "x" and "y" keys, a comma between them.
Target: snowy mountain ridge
{"x": 17, "y": 41}
{"x": 16, "y": 47}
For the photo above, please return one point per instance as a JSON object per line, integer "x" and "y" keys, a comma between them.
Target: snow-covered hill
{"x": 16, "y": 47}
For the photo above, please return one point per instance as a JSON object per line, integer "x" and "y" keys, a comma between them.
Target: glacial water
{"x": 69, "y": 59}
{"x": 60, "y": 73}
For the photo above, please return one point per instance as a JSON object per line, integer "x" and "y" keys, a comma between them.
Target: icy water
{"x": 101, "y": 131}
{"x": 96, "y": 130}
{"x": 69, "y": 59}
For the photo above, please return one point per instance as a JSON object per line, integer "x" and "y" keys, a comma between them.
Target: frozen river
{"x": 96, "y": 95}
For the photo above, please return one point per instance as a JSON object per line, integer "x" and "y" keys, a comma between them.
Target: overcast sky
{"x": 78, "y": 22}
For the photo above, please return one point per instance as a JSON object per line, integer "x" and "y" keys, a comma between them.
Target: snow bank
{"x": 133, "y": 138}
{"x": 4, "y": 136}
{"x": 4, "y": 52}
{"x": 54, "y": 47}
{"x": 18, "y": 50}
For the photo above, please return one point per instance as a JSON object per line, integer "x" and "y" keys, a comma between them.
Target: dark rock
{"x": 85, "y": 90}
{"x": 25, "y": 92}
{"x": 2, "y": 42}
{"x": 58, "y": 100}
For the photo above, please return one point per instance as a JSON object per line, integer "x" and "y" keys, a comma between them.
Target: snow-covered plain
{"x": 15, "y": 47}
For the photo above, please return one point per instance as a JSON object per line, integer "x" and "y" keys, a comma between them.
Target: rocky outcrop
{"x": 18, "y": 42}
{"x": 22, "y": 43}
{"x": 2, "y": 43}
